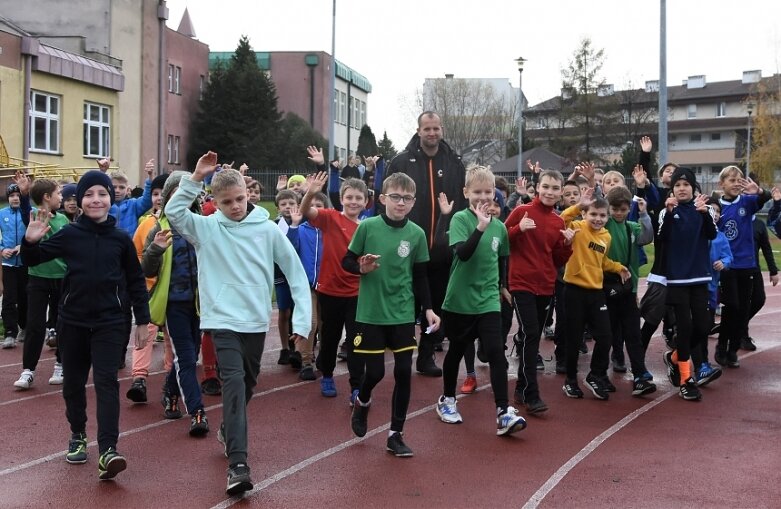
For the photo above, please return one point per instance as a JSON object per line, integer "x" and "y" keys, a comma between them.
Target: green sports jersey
{"x": 53, "y": 269}
{"x": 385, "y": 296}
{"x": 473, "y": 287}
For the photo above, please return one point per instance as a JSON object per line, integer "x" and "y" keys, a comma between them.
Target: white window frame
{"x": 170, "y": 148}
{"x": 52, "y": 122}
{"x": 103, "y": 125}
{"x": 721, "y": 109}
{"x": 343, "y": 106}
{"x": 691, "y": 111}
{"x": 177, "y": 80}
{"x": 695, "y": 138}
{"x": 171, "y": 78}
{"x": 177, "y": 140}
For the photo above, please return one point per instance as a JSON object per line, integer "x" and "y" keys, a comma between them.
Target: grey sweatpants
{"x": 238, "y": 356}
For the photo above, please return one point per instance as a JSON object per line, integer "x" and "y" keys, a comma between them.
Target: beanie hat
{"x": 686, "y": 174}
{"x": 159, "y": 181}
{"x": 11, "y": 189}
{"x": 174, "y": 179}
{"x": 93, "y": 178}
{"x": 68, "y": 191}
{"x": 295, "y": 178}
{"x": 499, "y": 198}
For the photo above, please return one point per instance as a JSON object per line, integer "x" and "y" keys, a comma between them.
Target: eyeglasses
{"x": 396, "y": 198}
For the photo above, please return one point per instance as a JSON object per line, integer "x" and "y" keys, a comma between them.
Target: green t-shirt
{"x": 53, "y": 269}
{"x": 473, "y": 287}
{"x": 619, "y": 249}
{"x": 385, "y": 295}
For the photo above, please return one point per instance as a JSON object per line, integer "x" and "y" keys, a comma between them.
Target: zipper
{"x": 433, "y": 201}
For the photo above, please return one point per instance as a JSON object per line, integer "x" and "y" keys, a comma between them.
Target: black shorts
{"x": 374, "y": 339}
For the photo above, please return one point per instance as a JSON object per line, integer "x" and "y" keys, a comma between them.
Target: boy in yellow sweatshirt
{"x": 584, "y": 299}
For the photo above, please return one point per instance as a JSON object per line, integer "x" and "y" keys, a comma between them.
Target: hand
{"x": 587, "y": 198}
{"x": 642, "y": 206}
{"x": 103, "y": 164}
{"x": 282, "y": 182}
{"x": 227, "y": 166}
{"x": 749, "y": 186}
{"x": 295, "y": 337}
{"x": 368, "y": 263}
{"x": 433, "y": 320}
{"x": 534, "y": 168}
{"x": 718, "y": 265}
{"x": 569, "y": 235}
{"x": 625, "y": 274}
{"x": 505, "y": 294}
{"x": 206, "y": 165}
{"x": 587, "y": 170}
{"x": 149, "y": 168}
{"x": 8, "y": 253}
{"x": 315, "y": 155}
{"x": 243, "y": 169}
{"x": 646, "y": 144}
{"x": 295, "y": 216}
{"x": 163, "y": 238}
{"x": 671, "y": 203}
{"x": 483, "y": 217}
{"x": 701, "y": 203}
{"x": 520, "y": 186}
{"x": 638, "y": 173}
{"x": 38, "y": 226}
{"x": 445, "y": 207}
{"x": 774, "y": 279}
{"x": 527, "y": 223}
{"x": 141, "y": 335}
{"x": 775, "y": 193}
{"x": 23, "y": 181}
{"x": 318, "y": 182}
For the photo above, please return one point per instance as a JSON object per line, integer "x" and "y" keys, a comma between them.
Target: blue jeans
{"x": 184, "y": 328}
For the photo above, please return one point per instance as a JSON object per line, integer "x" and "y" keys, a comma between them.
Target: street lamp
{"x": 520, "y": 61}
{"x": 750, "y": 109}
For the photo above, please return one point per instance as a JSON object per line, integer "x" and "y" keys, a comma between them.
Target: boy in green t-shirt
{"x": 472, "y": 303}
{"x": 390, "y": 254}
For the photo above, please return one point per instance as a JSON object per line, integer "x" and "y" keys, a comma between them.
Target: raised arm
{"x": 315, "y": 186}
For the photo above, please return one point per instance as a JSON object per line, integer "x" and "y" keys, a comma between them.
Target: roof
{"x": 55, "y": 61}
{"x": 548, "y": 160}
{"x": 186, "y": 25}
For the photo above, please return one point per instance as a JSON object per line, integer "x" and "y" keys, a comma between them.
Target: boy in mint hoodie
{"x": 237, "y": 248}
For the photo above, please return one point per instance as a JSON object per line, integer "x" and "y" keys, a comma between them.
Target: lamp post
{"x": 750, "y": 109}
{"x": 520, "y": 61}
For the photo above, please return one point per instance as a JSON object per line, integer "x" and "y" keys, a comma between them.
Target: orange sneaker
{"x": 470, "y": 385}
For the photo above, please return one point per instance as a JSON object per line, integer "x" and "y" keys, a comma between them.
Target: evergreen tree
{"x": 386, "y": 148}
{"x": 367, "y": 142}
{"x": 297, "y": 135}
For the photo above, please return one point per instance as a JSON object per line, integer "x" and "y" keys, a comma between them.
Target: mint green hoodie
{"x": 236, "y": 265}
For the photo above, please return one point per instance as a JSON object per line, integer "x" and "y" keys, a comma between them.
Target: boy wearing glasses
{"x": 389, "y": 252}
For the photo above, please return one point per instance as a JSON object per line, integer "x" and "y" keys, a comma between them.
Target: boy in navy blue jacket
{"x": 686, "y": 225}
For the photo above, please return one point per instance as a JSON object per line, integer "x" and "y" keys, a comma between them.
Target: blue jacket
{"x": 719, "y": 250}
{"x": 685, "y": 233}
{"x": 308, "y": 243}
{"x": 772, "y": 218}
{"x": 12, "y": 228}
{"x": 129, "y": 210}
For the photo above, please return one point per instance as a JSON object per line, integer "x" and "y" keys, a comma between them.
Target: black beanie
{"x": 685, "y": 174}
{"x": 93, "y": 178}
{"x": 159, "y": 181}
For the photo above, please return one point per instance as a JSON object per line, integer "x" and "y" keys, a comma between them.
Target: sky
{"x": 398, "y": 44}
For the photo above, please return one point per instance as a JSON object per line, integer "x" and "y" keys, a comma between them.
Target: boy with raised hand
{"x": 127, "y": 210}
{"x": 285, "y": 200}
{"x": 389, "y": 252}
{"x": 472, "y": 306}
{"x": 14, "y": 272}
{"x": 236, "y": 296}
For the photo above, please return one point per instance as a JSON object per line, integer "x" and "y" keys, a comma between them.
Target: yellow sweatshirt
{"x": 589, "y": 253}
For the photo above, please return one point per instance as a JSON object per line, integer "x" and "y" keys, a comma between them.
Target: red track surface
{"x": 658, "y": 451}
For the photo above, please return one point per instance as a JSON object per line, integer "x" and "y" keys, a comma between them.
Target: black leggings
{"x": 691, "y": 317}
{"x": 338, "y": 313}
{"x": 402, "y": 375}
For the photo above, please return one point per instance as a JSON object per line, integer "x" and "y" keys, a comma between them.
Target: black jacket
{"x": 443, "y": 173}
{"x": 103, "y": 273}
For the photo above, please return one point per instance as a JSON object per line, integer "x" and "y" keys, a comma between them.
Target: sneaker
{"x": 448, "y": 411}
{"x": 548, "y": 332}
{"x": 170, "y": 404}
{"x": 9, "y": 342}
{"x": 641, "y": 387}
{"x": 284, "y": 356}
{"x": 647, "y": 376}
{"x": 211, "y": 387}
{"x": 360, "y": 418}
{"x": 540, "y": 364}
{"x": 307, "y": 373}
{"x": 438, "y": 347}
{"x": 732, "y": 360}
{"x": 328, "y": 387}
{"x": 110, "y": 464}
{"x": 715, "y": 329}
{"x": 509, "y": 422}
{"x": 706, "y": 374}
{"x": 295, "y": 360}
{"x": 607, "y": 384}
{"x": 720, "y": 358}
{"x": 221, "y": 439}
{"x": 572, "y": 389}
{"x": 673, "y": 373}
{"x": 597, "y": 387}
{"x": 397, "y": 447}
{"x": 470, "y": 385}
{"x": 25, "y": 379}
{"x": 689, "y": 390}
{"x": 239, "y": 480}
{"x": 342, "y": 353}
{"x": 56, "y": 378}
{"x": 21, "y": 335}
{"x": 77, "y": 449}
{"x": 199, "y": 425}
{"x": 137, "y": 391}
{"x": 536, "y": 406}
{"x": 583, "y": 348}
{"x": 51, "y": 338}
{"x": 748, "y": 344}
{"x": 353, "y": 397}
{"x": 425, "y": 365}
{"x": 619, "y": 365}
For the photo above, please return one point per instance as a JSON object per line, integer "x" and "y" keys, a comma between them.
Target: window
{"x": 343, "y": 106}
{"x": 44, "y": 122}
{"x": 343, "y": 154}
{"x": 692, "y": 111}
{"x": 695, "y": 138}
{"x": 715, "y": 136}
{"x": 173, "y": 149}
{"x": 170, "y": 77}
{"x": 721, "y": 109}
{"x": 336, "y": 106}
{"x": 363, "y": 115}
{"x": 697, "y": 169}
{"x": 357, "y": 113}
{"x": 97, "y": 130}
{"x": 177, "y": 80}
{"x": 715, "y": 170}
{"x": 673, "y": 138}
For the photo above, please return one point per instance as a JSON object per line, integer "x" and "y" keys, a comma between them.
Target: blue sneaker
{"x": 353, "y": 397}
{"x": 447, "y": 410}
{"x": 328, "y": 387}
{"x": 509, "y": 422}
{"x": 646, "y": 376}
{"x": 707, "y": 373}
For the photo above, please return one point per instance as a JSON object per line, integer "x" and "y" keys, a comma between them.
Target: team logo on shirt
{"x": 403, "y": 249}
{"x": 357, "y": 340}
{"x": 440, "y": 173}
{"x": 495, "y": 244}
{"x": 731, "y": 229}
{"x": 741, "y": 212}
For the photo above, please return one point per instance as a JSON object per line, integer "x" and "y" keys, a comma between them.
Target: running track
{"x": 659, "y": 451}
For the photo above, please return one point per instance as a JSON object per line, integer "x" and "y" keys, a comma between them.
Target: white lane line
{"x": 567, "y": 467}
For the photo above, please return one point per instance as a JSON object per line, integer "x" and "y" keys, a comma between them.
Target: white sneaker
{"x": 447, "y": 411}
{"x": 9, "y": 342}
{"x": 20, "y": 337}
{"x": 509, "y": 422}
{"x": 25, "y": 380}
{"x": 56, "y": 378}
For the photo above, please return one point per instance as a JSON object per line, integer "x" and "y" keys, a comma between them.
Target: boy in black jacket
{"x": 102, "y": 270}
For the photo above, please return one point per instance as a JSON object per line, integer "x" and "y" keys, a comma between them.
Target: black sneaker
{"x": 360, "y": 417}
{"x": 425, "y": 365}
{"x": 572, "y": 389}
{"x": 295, "y": 360}
{"x": 583, "y": 348}
{"x": 137, "y": 391}
{"x": 284, "y": 356}
{"x": 239, "y": 480}
{"x": 307, "y": 373}
{"x": 397, "y": 447}
{"x": 536, "y": 406}
{"x": 540, "y": 364}
{"x": 211, "y": 387}
{"x": 597, "y": 387}
{"x": 199, "y": 425}
{"x": 619, "y": 365}
{"x": 732, "y": 360}
{"x": 720, "y": 358}
{"x": 689, "y": 390}
{"x": 342, "y": 353}
{"x": 748, "y": 344}
{"x": 715, "y": 329}
{"x": 170, "y": 404}
{"x": 641, "y": 387}
{"x": 438, "y": 347}
{"x": 607, "y": 384}
{"x": 110, "y": 464}
{"x": 77, "y": 449}
{"x": 673, "y": 373}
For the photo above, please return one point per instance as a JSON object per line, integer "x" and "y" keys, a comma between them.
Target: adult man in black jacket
{"x": 435, "y": 168}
